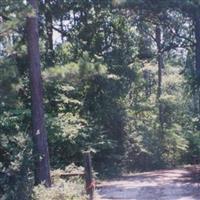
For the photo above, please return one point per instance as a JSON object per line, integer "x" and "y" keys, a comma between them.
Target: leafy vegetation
{"x": 120, "y": 78}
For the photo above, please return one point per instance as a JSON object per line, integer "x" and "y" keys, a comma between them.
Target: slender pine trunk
{"x": 62, "y": 29}
{"x": 160, "y": 68}
{"x": 49, "y": 33}
{"x": 41, "y": 154}
{"x": 196, "y": 20}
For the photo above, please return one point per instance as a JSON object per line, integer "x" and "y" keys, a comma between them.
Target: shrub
{"x": 60, "y": 190}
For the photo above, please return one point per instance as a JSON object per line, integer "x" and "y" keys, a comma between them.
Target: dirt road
{"x": 177, "y": 184}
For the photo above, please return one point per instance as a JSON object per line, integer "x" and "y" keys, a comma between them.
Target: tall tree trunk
{"x": 160, "y": 67}
{"x": 41, "y": 154}
{"x": 62, "y": 29}
{"x": 49, "y": 32}
{"x": 196, "y": 20}
{"x": 192, "y": 68}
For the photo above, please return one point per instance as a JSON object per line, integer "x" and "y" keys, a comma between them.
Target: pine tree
{"x": 41, "y": 154}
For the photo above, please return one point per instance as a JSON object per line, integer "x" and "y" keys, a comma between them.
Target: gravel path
{"x": 177, "y": 184}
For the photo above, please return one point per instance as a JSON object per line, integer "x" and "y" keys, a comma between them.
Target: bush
{"x": 60, "y": 190}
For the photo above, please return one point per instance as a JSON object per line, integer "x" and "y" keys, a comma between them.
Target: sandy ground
{"x": 176, "y": 184}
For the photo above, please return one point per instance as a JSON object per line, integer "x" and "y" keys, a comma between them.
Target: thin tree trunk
{"x": 160, "y": 67}
{"x": 62, "y": 29}
{"x": 49, "y": 32}
{"x": 197, "y": 54}
{"x": 41, "y": 154}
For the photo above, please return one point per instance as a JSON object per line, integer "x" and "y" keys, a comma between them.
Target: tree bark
{"x": 49, "y": 32}
{"x": 160, "y": 67}
{"x": 196, "y": 20}
{"x": 197, "y": 37}
{"x": 41, "y": 154}
{"x": 62, "y": 29}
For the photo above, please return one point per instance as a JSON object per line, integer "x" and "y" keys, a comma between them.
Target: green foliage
{"x": 61, "y": 190}
{"x": 100, "y": 93}
{"x": 73, "y": 188}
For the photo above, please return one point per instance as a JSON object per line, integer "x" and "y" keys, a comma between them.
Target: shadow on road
{"x": 176, "y": 184}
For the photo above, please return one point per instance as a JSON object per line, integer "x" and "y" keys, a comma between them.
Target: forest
{"x": 118, "y": 78}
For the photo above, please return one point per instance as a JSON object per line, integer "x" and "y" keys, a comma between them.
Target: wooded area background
{"x": 118, "y": 78}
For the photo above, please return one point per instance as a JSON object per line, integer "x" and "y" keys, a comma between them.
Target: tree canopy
{"x": 120, "y": 78}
